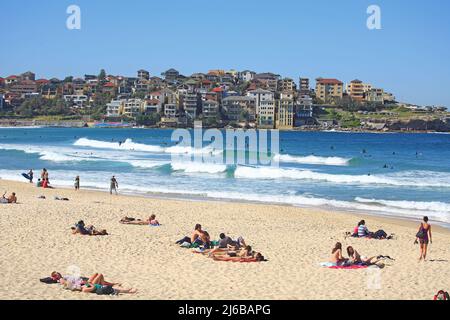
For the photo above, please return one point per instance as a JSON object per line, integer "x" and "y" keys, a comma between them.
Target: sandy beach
{"x": 36, "y": 240}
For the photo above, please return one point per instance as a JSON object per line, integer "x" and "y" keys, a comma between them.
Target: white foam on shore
{"x": 434, "y": 206}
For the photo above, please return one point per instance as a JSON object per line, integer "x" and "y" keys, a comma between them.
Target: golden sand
{"x": 36, "y": 240}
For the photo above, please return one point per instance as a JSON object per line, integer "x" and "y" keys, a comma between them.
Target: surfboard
{"x": 26, "y": 176}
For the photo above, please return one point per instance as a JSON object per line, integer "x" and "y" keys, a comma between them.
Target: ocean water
{"x": 403, "y": 175}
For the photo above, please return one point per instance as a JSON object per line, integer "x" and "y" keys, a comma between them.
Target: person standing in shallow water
{"x": 113, "y": 185}
{"x": 77, "y": 183}
{"x": 424, "y": 238}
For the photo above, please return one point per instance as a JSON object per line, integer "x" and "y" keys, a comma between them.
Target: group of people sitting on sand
{"x": 81, "y": 229}
{"x": 225, "y": 249}
{"x": 11, "y": 199}
{"x": 95, "y": 284}
{"x": 361, "y": 231}
{"x": 43, "y": 182}
{"x": 354, "y": 257}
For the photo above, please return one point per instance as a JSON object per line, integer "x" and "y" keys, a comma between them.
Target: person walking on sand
{"x": 113, "y": 185}
{"x": 424, "y": 237}
{"x": 77, "y": 183}
{"x": 30, "y": 174}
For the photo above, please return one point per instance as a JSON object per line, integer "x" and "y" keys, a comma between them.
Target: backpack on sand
{"x": 442, "y": 295}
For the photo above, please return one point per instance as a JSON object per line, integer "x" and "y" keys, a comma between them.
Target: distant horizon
{"x": 407, "y": 57}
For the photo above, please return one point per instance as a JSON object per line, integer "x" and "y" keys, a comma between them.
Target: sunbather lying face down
{"x": 81, "y": 229}
{"x": 150, "y": 221}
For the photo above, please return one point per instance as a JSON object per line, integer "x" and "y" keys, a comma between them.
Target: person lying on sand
{"x": 356, "y": 258}
{"x": 81, "y": 229}
{"x": 245, "y": 254}
{"x": 11, "y": 199}
{"x": 336, "y": 255}
{"x": 150, "y": 221}
{"x": 97, "y": 284}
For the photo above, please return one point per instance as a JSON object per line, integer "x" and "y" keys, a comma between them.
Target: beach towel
{"x": 330, "y": 265}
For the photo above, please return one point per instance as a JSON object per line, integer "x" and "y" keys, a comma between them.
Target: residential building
{"x": 388, "y": 97}
{"x": 171, "y": 75}
{"x": 133, "y": 108}
{"x": 142, "y": 85}
{"x": 328, "y": 89}
{"x": 304, "y": 111}
{"x": 109, "y": 88}
{"x": 304, "y": 86}
{"x": 210, "y": 109}
{"x": 287, "y": 95}
{"x": 77, "y": 100}
{"x": 287, "y": 84}
{"x": 247, "y": 75}
{"x": 143, "y": 75}
{"x": 266, "y": 114}
{"x": 260, "y": 96}
{"x": 28, "y": 76}
{"x": 356, "y": 90}
{"x": 114, "y": 108}
{"x": 23, "y": 87}
{"x": 152, "y": 106}
{"x": 191, "y": 104}
{"x": 170, "y": 110}
{"x": 11, "y": 79}
{"x": 285, "y": 118}
{"x": 235, "y": 106}
{"x": 375, "y": 95}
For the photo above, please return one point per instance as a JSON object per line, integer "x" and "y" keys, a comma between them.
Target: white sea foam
{"x": 435, "y": 206}
{"x": 327, "y": 161}
{"x": 196, "y": 167}
{"x": 298, "y": 174}
{"x": 127, "y": 145}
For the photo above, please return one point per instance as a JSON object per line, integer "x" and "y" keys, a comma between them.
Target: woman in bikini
{"x": 356, "y": 258}
{"x": 424, "y": 237}
{"x": 336, "y": 255}
{"x": 150, "y": 221}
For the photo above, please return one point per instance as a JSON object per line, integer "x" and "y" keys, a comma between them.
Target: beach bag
{"x": 442, "y": 295}
{"x": 421, "y": 233}
{"x": 380, "y": 234}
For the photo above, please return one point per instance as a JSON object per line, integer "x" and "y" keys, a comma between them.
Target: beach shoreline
{"x": 295, "y": 241}
{"x": 376, "y": 216}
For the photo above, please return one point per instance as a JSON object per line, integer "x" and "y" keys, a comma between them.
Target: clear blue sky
{"x": 410, "y": 56}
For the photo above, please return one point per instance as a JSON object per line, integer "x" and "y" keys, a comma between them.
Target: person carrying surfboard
{"x": 30, "y": 175}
